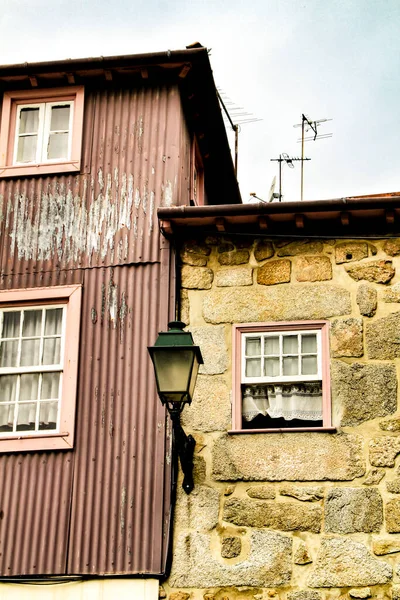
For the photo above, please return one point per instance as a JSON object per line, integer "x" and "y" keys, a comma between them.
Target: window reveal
{"x": 283, "y": 378}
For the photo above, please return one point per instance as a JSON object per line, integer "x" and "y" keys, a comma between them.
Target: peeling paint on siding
{"x": 56, "y": 223}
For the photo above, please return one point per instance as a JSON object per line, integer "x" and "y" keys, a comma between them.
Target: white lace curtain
{"x": 288, "y": 401}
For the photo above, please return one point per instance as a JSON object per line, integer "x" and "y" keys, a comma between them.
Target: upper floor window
{"x": 41, "y": 131}
{"x": 282, "y": 379}
{"x": 39, "y": 341}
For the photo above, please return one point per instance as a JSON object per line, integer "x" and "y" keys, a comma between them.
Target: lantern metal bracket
{"x": 185, "y": 445}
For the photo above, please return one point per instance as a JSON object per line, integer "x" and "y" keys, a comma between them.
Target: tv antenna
{"x": 306, "y": 126}
{"x": 236, "y": 118}
{"x": 289, "y": 161}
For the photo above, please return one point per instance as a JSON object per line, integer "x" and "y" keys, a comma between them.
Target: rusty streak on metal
{"x": 185, "y": 70}
{"x": 345, "y": 218}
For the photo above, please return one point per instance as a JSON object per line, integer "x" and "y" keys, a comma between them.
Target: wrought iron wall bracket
{"x": 184, "y": 445}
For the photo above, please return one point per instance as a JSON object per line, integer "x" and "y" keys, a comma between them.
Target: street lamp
{"x": 176, "y": 363}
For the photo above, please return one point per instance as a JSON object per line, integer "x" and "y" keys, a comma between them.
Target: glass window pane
{"x": 253, "y": 346}
{"x": 11, "y": 323}
{"x": 53, "y": 321}
{"x": 51, "y": 351}
{"x": 271, "y": 367}
{"x": 271, "y": 345}
{"x": 27, "y": 149}
{"x": 253, "y": 367}
{"x": 6, "y": 417}
{"x": 290, "y": 365}
{"x": 57, "y": 146}
{"x": 309, "y": 365}
{"x": 50, "y": 386}
{"x": 26, "y": 417}
{"x": 48, "y": 415}
{"x": 8, "y": 388}
{"x": 60, "y": 118}
{"x": 29, "y": 120}
{"x": 29, "y": 386}
{"x": 290, "y": 344}
{"x": 32, "y": 325}
{"x": 309, "y": 343}
{"x": 30, "y": 353}
{"x": 8, "y": 354}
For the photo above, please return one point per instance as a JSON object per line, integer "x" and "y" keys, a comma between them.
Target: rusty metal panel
{"x": 118, "y": 500}
{"x": 35, "y": 501}
{"x": 133, "y": 161}
{"x": 111, "y": 514}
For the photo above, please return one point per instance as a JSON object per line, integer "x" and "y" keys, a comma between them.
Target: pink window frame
{"x": 71, "y": 296}
{"x": 238, "y": 330}
{"x": 11, "y": 100}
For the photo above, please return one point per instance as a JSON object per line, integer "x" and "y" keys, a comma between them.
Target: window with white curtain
{"x": 284, "y": 376}
{"x": 31, "y": 368}
{"x": 39, "y": 342}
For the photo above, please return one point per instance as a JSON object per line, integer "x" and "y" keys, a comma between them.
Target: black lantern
{"x": 176, "y": 363}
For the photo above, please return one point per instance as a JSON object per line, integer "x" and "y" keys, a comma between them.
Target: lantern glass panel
{"x": 173, "y": 368}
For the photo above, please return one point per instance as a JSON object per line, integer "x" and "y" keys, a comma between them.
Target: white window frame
{"x": 43, "y": 132}
{"x": 39, "y": 369}
{"x": 69, "y": 297}
{"x": 282, "y": 378}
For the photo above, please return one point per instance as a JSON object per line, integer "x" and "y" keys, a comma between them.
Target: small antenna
{"x": 284, "y": 157}
{"x": 235, "y": 119}
{"x": 306, "y": 126}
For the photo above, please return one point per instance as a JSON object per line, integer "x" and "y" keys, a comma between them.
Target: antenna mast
{"x": 307, "y": 125}
{"x": 289, "y": 161}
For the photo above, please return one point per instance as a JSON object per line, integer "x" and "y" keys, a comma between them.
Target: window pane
{"x": 253, "y": 367}
{"x": 53, "y": 321}
{"x": 8, "y": 354}
{"x": 26, "y": 417}
{"x": 309, "y": 344}
{"x": 29, "y": 386}
{"x": 6, "y": 417}
{"x": 271, "y": 345}
{"x": 27, "y": 149}
{"x": 11, "y": 323}
{"x": 291, "y": 365}
{"x": 58, "y": 146}
{"x": 50, "y": 386}
{"x": 290, "y": 344}
{"x": 8, "y": 388}
{"x": 253, "y": 346}
{"x": 48, "y": 415}
{"x": 51, "y": 351}
{"x": 271, "y": 367}
{"x": 309, "y": 365}
{"x": 59, "y": 118}
{"x": 29, "y": 120}
{"x": 30, "y": 353}
{"x": 32, "y": 325}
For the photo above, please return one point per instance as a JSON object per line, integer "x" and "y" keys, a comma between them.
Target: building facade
{"x": 89, "y": 149}
{"x": 296, "y": 310}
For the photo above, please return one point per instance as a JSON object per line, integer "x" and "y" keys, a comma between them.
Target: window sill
{"x": 41, "y": 169}
{"x": 39, "y": 442}
{"x": 288, "y": 430}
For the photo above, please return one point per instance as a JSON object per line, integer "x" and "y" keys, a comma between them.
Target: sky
{"x": 278, "y": 59}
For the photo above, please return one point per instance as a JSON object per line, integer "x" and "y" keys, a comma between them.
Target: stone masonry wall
{"x": 293, "y": 516}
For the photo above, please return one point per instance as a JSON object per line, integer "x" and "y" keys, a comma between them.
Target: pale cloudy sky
{"x": 337, "y": 59}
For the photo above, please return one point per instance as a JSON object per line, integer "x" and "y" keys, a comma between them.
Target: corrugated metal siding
{"x": 131, "y": 164}
{"x": 99, "y": 228}
{"x": 118, "y": 491}
{"x": 35, "y": 501}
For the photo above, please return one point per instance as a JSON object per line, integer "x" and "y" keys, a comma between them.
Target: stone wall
{"x": 293, "y": 516}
